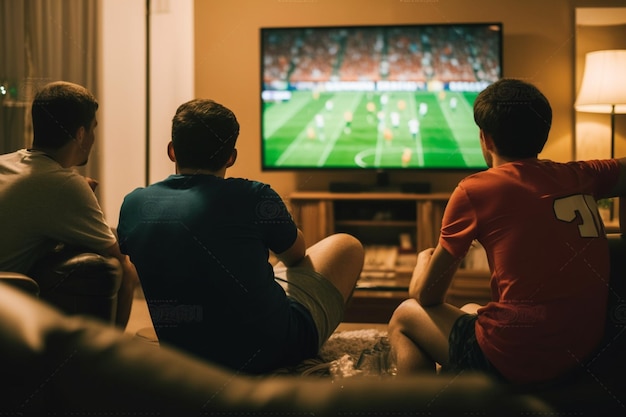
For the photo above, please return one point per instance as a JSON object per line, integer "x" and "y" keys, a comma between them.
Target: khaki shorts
{"x": 317, "y": 294}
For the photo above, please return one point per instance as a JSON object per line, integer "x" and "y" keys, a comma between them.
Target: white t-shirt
{"x": 43, "y": 204}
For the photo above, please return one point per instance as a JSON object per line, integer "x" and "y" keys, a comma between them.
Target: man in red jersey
{"x": 545, "y": 243}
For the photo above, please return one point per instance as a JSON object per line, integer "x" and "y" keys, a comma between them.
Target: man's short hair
{"x": 516, "y": 115}
{"x": 204, "y": 134}
{"x": 58, "y": 111}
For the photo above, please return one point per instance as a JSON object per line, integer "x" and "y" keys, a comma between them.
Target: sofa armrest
{"x": 79, "y": 281}
{"x": 20, "y": 281}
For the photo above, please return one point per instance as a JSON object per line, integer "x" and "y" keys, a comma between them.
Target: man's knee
{"x": 405, "y": 313}
{"x": 351, "y": 248}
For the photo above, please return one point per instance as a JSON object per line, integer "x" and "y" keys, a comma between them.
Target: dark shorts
{"x": 465, "y": 352}
{"x": 321, "y": 301}
{"x": 303, "y": 337}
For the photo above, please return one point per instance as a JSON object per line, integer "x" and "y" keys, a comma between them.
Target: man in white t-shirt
{"x": 44, "y": 202}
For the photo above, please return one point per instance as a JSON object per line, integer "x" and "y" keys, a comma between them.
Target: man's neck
{"x": 198, "y": 171}
{"x": 500, "y": 160}
{"x": 67, "y": 155}
{"x": 54, "y": 154}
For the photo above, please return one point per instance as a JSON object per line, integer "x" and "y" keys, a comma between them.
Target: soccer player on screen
{"x": 423, "y": 109}
{"x": 414, "y": 128}
{"x": 319, "y": 126}
{"x": 453, "y": 103}
{"x": 406, "y": 157}
{"x": 347, "y": 116}
{"x": 395, "y": 119}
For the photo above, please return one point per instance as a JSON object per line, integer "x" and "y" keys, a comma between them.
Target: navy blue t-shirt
{"x": 200, "y": 245}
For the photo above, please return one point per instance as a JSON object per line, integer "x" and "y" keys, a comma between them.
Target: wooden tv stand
{"x": 380, "y": 218}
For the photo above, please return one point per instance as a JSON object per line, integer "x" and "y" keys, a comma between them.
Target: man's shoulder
{"x": 12, "y": 161}
{"x": 245, "y": 182}
{"x": 247, "y": 186}
{"x": 34, "y": 164}
{"x": 476, "y": 177}
{"x": 228, "y": 186}
{"x": 9, "y": 156}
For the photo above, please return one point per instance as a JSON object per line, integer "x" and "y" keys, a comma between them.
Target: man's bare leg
{"x": 419, "y": 336}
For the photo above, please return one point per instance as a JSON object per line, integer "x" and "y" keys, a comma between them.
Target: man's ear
{"x": 170, "y": 152}
{"x": 232, "y": 159}
{"x": 487, "y": 140}
{"x": 79, "y": 137}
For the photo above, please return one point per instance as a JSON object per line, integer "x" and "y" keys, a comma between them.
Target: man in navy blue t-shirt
{"x": 201, "y": 244}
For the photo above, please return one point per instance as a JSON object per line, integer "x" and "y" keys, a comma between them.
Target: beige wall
{"x": 538, "y": 47}
{"x": 122, "y": 85}
{"x": 121, "y": 93}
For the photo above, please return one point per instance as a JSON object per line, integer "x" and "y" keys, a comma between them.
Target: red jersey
{"x": 549, "y": 261}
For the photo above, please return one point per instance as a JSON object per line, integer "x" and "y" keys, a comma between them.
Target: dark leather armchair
{"x": 76, "y": 281}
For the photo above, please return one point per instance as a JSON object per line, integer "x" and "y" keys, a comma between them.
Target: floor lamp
{"x": 603, "y": 89}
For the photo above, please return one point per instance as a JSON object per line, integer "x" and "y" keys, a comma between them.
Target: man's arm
{"x": 130, "y": 280}
{"x": 295, "y": 253}
{"x": 432, "y": 276}
{"x": 620, "y": 191}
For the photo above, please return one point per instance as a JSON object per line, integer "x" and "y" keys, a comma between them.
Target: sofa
{"x": 58, "y": 364}
{"x": 55, "y": 364}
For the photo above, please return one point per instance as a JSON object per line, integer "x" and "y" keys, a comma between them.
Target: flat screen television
{"x": 375, "y": 97}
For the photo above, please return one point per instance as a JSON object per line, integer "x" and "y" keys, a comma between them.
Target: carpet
{"x": 363, "y": 352}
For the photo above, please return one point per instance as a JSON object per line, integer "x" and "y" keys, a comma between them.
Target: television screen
{"x": 378, "y": 97}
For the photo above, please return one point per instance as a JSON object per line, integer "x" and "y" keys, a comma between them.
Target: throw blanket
{"x": 348, "y": 353}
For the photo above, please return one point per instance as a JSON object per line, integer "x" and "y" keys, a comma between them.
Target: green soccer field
{"x": 371, "y": 130}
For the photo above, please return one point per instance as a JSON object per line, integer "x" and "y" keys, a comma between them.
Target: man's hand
{"x": 423, "y": 259}
{"x": 432, "y": 275}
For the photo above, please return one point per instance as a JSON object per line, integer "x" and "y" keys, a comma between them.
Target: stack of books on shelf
{"x": 386, "y": 267}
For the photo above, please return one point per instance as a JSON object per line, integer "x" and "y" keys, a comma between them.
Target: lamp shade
{"x": 604, "y": 82}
